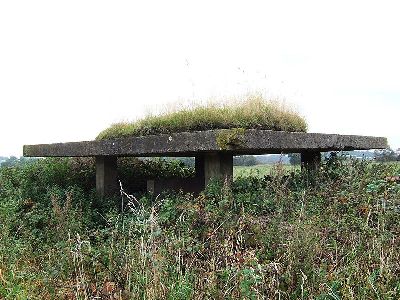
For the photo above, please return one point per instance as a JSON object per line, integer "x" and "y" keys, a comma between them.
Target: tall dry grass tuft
{"x": 61, "y": 211}
{"x": 252, "y": 111}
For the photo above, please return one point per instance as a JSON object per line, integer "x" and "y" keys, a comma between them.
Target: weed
{"x": 278, "y": 236}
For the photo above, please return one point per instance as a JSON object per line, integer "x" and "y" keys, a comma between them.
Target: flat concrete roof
{"x": 250, "y": 141}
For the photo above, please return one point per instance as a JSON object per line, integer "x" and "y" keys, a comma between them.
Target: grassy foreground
{"x": 331, "y": 235}
{"x": 252, "y": 112}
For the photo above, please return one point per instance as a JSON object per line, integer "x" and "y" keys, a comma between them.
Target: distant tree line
{"x": 294, "y": 158}
{"x": 387, "y": 155}
{"x": 245, "y": 160}
{"x": 15, "y": 161}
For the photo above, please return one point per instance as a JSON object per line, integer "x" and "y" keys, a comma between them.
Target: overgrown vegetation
{"x": 252, "y": 112}
{"x": 288, "y": 235}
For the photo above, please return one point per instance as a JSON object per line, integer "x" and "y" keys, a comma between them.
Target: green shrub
{"x": 332, "y": 236}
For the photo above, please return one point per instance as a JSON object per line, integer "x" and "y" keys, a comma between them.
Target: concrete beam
{"x": 106, "y": 176}
{"x": 250, "y": 141}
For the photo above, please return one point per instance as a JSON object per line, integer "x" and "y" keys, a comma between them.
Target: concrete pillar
{"x": 216, "y": 165}
{"x": 310, "y": 160}
{"x": 199, "y": 166}
{"x": 151, "y": 186}
{"x": 106, "y": 175}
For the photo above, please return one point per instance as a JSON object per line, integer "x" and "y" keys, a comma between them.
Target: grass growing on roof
{"x": 253, "y": 112}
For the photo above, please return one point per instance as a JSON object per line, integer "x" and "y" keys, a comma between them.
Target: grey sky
{"x": 68, "y": 69}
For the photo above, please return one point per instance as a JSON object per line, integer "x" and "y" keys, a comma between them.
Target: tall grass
{"x": 251, "y": 112}
{"x": 333, "y": 235}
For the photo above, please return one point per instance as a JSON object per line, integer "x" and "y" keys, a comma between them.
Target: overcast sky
{"x": 68, "y": 69}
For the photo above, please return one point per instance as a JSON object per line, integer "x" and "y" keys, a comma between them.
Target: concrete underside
{"x": 213, "y": 149}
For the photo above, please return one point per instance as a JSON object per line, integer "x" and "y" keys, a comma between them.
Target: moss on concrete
{"x": 230, "y": 138}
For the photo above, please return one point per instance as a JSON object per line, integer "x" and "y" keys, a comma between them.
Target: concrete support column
{"x": 310, "y": 160}
{"x": 215, "y": 165}
{"x": 199, "y": 166}
{"x": 106, "y": 175}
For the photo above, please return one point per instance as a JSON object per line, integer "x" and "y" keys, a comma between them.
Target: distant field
{"x": 261, "y": 170}
{"x": 271, "y": 169}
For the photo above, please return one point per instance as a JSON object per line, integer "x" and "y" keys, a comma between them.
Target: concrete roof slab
{"x": 235, "y": 141}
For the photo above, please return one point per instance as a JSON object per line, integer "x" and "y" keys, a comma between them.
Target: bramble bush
{"x": 332, "y": 234}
